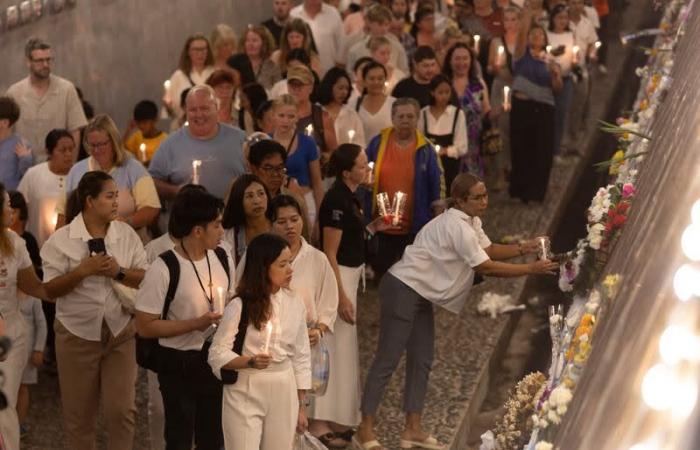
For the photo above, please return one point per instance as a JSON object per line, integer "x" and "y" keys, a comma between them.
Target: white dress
{"x": 374, "y": 123}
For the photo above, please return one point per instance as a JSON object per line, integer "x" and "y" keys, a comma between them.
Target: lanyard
{"x": 210, "y": 297}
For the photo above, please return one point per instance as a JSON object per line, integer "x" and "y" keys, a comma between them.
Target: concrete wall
{"x": 121, "y": 51}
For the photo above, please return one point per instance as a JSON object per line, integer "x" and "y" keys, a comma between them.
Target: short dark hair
{"x": 54, "y": 136}
{"x": 343, "y": 158}
{"x": 282, "y": 201}
{"x": 325, "y": 92}
{"x": 145, "y": 110}
{"x": 422, "y": 53}
{"x": 192, "y": 208}
{"x": 263, "y": 149}
{"x": 35, "y": 43}
{"x": 17, "y": 201}
{"x": 373, "y": 65}
{"x": 9, "y": 109}
{"x": 234, "y": 215}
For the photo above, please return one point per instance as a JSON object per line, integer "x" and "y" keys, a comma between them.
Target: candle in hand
{"x": 596, "y": 47}
{"x": 166, "y": 84}
{"x": 220, "y": 301}
{"x": 500, "y": 55}
{"x": 370, "y": 175}
{"x": 437, "y": 149}
{"x": 576, "y": 50}
{"x": 142, "y": 152}
{"x": 351, "y": 135}
{"x": 477, "y": 39}
{"x": 195, "y": 171}
{"x": 398, "y": 207}
{"x": 309, "y": 130}
{"x": 543, "y": 248}
{"x": 268, "y": 336}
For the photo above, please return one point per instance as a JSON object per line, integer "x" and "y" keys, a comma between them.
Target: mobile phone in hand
{"x": 97, "y": 246}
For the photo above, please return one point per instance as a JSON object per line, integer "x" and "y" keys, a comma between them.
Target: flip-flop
{"x": 369, "y": 445}
{"x": 429, "y": 443}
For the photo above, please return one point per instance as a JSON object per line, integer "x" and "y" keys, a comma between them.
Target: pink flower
{"x": 628, "y": 190}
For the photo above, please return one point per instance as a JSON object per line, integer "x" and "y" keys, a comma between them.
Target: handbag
{"x": 491, "y": 141}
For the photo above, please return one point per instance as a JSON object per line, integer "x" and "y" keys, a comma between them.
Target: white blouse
{"x": 443, "y": 125}
{"x": 9, "y": 266}
{"x": 288, "y": 340}
{"x": 94, "y": 299}
{"x": 349, "y": 120}
{"x": 566, "y": 39}
{"x": 313, "y": 279}
{"x": 373, "y": 124}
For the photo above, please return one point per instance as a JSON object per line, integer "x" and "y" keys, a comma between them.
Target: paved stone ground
{"x": 465, "y": 342}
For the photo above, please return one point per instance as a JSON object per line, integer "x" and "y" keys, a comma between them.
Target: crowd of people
{"x": 334, "y": 142}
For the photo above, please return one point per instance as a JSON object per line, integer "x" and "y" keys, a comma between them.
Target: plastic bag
{"x": 307, "y": 441}
{"x": 320, "y": 369}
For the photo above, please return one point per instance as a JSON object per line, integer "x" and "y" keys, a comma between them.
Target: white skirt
{"x": 341, "y": 403}
{"x": 12, "y": 367}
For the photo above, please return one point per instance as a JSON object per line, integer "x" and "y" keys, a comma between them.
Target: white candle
{"x": 548, "y": 49}
{"x": 437, "y": 149}
{"x": 268, "y": 336}
{"x": 370, "y": 177}
{"x": 166, "y": 85}
{"x": 187, "y": 123}
{"x": 543, "y": 245}
{"x": 506, "y": 98}
{"x": 309, "y": 130}
{"x": 195, "y": 171}
{"x": 477, "y": 39}
{"x": 142, "y": 152}
{"x": 54, "y": 220}
{"x": 576, "y": 51}
{"x": 500, "y": 56}
{"x": 220, "y": 300}
{"x": 351, "y": 135}
{"x": 399, "y": 200}
{"x": 596, "y": 47}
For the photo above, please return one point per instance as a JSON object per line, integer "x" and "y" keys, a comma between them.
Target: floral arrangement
{"x": 512, "y": 432}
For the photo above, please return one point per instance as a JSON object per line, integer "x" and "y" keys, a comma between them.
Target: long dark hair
{"x": 90, "y": 185}
{"x": 234, "y": 214}
{"x": 556, "y": 10}
{"x": 325, "y": 92}
{"x": 255, "y": 286}
{"x": 6, "y": 248}
{"x": 437, "y": 81}
{"x": 473, "y": 67}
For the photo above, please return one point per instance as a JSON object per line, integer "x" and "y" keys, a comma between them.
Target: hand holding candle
{"x": 351, "y": 135}
{"x": 576, "y": 51}
{"x": 500, "y": 56}
{"x": 142, "y": 152}
{"x": 543, "y": 252}
{"x": 196, "y": 164}
{"x": 220, "y": 301}
{"x": 477, "y": 40}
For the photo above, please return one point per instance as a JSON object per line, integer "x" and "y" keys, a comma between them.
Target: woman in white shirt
{"x": 373, "y": 106}
{"x": 561, "y": 43}
{"x": 265, "y": 405}
{"x": 333, "y": 94}
{"x": 16, "y": 272}
{"x": 45, "y": 184}
{"x": 87, "y": 266}
{"x": 445, "y": 125}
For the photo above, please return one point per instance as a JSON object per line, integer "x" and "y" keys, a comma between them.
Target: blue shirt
{"x": 221, "y": 156}
{"x": 298, "y": 162}
{"x": 12, "y": 167}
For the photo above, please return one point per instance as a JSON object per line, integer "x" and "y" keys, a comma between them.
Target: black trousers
{"x": 531, "y": 148}
{"x": 192, "y": 398}
{"x": 390, "y": 249}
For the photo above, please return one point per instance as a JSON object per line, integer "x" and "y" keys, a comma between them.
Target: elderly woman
{"x": 437, "y": 269}
{"x": 138, "y": 200}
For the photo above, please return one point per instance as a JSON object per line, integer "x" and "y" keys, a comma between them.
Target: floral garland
{"x": 512, "y": 432}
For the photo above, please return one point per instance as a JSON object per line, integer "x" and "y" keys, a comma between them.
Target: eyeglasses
{"x": 478, "y": 198}
{"x": 48, "y": 60}
{"x": 100, "y": 144}
{"x": 279, "y": 170}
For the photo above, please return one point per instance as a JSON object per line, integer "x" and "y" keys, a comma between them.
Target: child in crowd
{"x": 144, "y": 142}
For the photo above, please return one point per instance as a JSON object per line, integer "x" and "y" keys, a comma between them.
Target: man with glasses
{"x": 46, "y": 101}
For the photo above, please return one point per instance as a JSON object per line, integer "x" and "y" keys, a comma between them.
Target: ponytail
{"x": 343, "y": 159}
{"x": 90, "y": 185}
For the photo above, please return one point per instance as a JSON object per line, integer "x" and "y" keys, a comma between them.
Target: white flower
{"x": 583, "y": 338}
{"x": 555, "y": 319}
{"x": 595, "y": 235}
{"x": 560, "y": 396}
{"x": 553, "y": 417}
{"x": 561, "y": 410}
{"x": 599, "y": 205}
{"x": 544, "y": 445}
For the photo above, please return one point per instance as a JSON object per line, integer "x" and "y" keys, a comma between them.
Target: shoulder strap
{"x": 317, "y": 119}
{"x": 242, "y": 328}
{"x": 358, "y": 102}
{"x": 223, "y": 259}
{"x": 173, "y": 265}
{"x": 454, "y": 122}
{"x": 425, "y": 123}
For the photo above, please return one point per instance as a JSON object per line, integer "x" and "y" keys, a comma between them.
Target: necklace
{"x": 210, "y": 297}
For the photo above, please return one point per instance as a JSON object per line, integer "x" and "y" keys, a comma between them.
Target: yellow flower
{"x": 610, "y": 284}
{"x": 643, "y": 105}
{"x": 616, "y": 162}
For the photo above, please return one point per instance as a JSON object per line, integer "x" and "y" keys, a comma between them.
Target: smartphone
{"x": 97, "y": 246}
{"x": 559, "y": 50}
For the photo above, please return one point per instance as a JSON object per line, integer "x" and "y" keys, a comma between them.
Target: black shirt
{"x": 341, "y": 209}
{"x": 275, "y": 30}
{"x": 408, "y": 87}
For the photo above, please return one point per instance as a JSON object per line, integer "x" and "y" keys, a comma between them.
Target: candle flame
{"x": 268, "y": 327}
{"x": 142, "y": 147}
{"x": 166, "y": 84}
{"x": 54, "y": 220}
{"x": 549, "y": 49}
{"x": 309, "y": 130}
{"x": 501, "y": 50}
{"x": 196, "y": 163}
{"x": 597, "y": 44}
{"x": 351, "y": 134}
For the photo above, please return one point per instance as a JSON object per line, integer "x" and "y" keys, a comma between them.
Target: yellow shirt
{"x": 133, "y": 144}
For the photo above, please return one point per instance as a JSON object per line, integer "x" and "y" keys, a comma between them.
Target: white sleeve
{"x": 302, "y": 352}
{"x": 40, "y": 328}
{"x": 327, "y": 295}
{"x": 466, "y": 244}
{"x": 221, "y": 350}
{"x": 461, "y": 139}
{"x": 23, "y": 187}
{"x": 55, "y": 263}
{"x": 150, "y": 297}
{"x": 138, "y": 258}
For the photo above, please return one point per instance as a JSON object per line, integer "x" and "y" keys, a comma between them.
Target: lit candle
{"x": 370, "y": 176}
{"x": 268, "y": 336}
{"x": 309, "y": 130}
{"x": 220, "y": 301}
{"x": 383, "y": 206}
{"x": 548, "y": 49}
{"x": 543, "y": 246}
{"x": 506, "y": 98}
{"x": 142, "y": 151}
{"x": 166, "y": 85}
{"x": 596, "y": 47}
{"x": 576, "y": 51}
{"x": 351, "y": 135}
{"x": 437, "y": 149}
{"x": 195, "y": 171}
{"x": 477, "y": 39}
{"x": 399, "y": 201}
{"x": 500, "y": 56}
{"x": 187, "y": 123}
{"x": 54, "y": 220}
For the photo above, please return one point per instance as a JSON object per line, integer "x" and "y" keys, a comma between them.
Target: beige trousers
{"x": 90, "y": 370}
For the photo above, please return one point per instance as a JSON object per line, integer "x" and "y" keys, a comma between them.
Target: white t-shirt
{"x": 327, "y": 29}
{"x": 289, "y": 339}
{"x": 94, "y": 299}
{"x": 189, "y": 301}
{"x": 159, "y": 245}
{"x": 439, "y": 264}
{"x": 374, "y": 123}
{"x": 567, "y": 40}
{"x": 42, "y": 189}
{"x": 9, "y": 265}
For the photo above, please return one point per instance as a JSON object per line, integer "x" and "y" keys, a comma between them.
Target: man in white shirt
{"x": 437, "y": 269}
{"x": 326, "y": 27}
{"x": 46, "y": 100}
{"x": 191, "y": 394}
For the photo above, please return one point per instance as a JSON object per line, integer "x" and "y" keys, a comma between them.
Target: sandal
{"x": 328, "y": 438}
{"x": 345, "y": 435}
{"x": 369, "y": 445}
{"x": 429, "y": 443}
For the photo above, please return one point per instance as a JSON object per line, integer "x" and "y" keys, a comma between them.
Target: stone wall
{"x": 121, "y": 51}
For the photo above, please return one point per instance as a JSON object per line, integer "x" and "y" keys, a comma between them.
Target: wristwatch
{"x": 120, "y": 275}
{"x": 251, "y": 362}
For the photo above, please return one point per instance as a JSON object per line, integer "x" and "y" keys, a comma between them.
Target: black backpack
{"x": 148, "y": 349}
